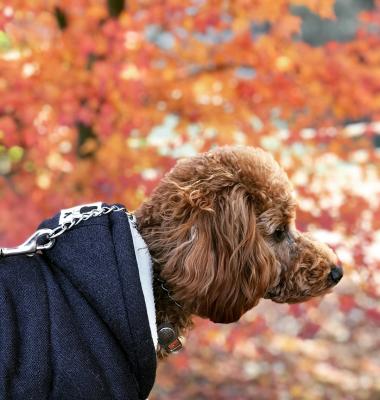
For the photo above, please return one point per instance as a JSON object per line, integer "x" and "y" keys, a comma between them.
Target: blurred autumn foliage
{"x": 98, "y": 99}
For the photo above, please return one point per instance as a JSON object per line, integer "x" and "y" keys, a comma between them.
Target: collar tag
{"x": 167, "y": 338}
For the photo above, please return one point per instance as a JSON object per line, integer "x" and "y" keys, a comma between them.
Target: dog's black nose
{"x": 336, "y": 273}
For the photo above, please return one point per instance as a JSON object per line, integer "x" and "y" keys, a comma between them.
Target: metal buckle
{"x": 31, "y": 245}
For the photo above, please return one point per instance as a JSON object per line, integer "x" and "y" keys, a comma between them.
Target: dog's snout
{"x": 336, "y": 273}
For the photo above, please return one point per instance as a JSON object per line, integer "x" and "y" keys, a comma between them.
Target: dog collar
{"x": 165, "y": 289}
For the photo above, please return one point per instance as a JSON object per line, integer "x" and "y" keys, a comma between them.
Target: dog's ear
{"x": 221, "y": 266}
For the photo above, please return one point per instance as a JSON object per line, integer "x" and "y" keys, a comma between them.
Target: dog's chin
{"x": 271, "y": 295}
{"x": 289, "y": 300}
{"x": 295, "y": 300}
{"x": 225, "y": 319}
{"x": 298, "y": 300}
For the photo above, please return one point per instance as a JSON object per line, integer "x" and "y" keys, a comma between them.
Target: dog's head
{"x": 222, "y": 227}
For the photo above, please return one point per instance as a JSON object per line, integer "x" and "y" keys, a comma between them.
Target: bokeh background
{"x": 98, "y": 98}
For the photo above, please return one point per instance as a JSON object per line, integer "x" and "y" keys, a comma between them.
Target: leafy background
{"x": 99, "y": 98}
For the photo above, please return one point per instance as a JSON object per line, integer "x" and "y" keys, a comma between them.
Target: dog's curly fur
{"x": 220, "y": 229}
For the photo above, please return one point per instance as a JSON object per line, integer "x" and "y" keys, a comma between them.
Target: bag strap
{"x": 44, "y": 239}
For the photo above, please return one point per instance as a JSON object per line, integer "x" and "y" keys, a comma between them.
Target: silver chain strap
{"x": 83, "y": 217}
{"x": 48, "y": 236}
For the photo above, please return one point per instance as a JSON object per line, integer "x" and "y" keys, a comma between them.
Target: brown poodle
{"x": 220, "y": 228}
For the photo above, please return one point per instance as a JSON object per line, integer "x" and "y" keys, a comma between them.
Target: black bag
{"x": 73, "y": 321}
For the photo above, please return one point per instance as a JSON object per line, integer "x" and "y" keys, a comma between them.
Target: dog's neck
{"x": 167, "y": 309}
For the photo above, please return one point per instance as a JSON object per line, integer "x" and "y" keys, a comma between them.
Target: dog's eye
{"x": 279, "y": 234}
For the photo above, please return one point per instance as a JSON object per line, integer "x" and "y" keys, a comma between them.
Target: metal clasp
{"x": 168, "y": 338}
{"x": 31, "y": 245}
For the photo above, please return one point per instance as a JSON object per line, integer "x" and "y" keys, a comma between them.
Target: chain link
{"x": 60, "y": 229}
